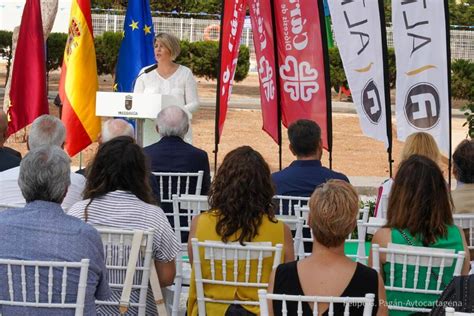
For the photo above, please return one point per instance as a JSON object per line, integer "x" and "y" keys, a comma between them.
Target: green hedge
{"x": 203, "y": 58}
{"x": 107, "y": 47}
{"x": 55, "y": 46}
{"x": 462, "y": 79}
{"x": 338, "y": 76}
{"x": 200, "y": 57}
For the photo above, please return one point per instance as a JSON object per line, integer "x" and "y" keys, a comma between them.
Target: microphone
{"x": 149, "y": 69}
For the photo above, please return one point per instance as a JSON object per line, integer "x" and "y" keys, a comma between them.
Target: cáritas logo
{"x": 299, "y": 79}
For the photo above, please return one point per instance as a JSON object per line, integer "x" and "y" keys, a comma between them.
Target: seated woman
{"x": 118, "y": 194}
{"x": 241, "y": 211}
{"x": 334, "y": 209}
{"x": 419, "y": 143}
{"x": 419, "y": 214}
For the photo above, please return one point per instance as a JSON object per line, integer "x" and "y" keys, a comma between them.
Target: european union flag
{"x": 136, "y": 50}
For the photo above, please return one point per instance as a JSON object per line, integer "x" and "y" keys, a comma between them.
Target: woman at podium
{"x": 167, "y": 77}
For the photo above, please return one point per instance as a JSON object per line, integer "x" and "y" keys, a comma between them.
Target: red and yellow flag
{"x": 28, "y": 98}
{"x": 78, "y": 84}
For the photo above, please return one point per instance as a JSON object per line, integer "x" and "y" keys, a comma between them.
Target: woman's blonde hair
{"x": 334, "y": 207}
{"x": 171, "y": 42}
{"x": 422, "y": 144}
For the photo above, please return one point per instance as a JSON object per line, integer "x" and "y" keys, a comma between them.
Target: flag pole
{"x": 448, "y": 56}
{"x": 218, "y": 92}
{"x": 327, "y": 79}
{"x": 277, "y": 86}
{"x": 388, "y": 107}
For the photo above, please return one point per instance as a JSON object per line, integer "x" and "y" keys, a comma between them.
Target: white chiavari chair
{"x": 231, "y": 265}
{"x": 33, "y": 291}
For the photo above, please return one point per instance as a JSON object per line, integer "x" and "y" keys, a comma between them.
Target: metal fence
{"x": 191, "y": 29}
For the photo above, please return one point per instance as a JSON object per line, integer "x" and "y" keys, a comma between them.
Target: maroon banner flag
{"x": 231, "y": 31}
{"x": 28, "y": 96}
{"x": 261, "y": 19}
{"x": 302, "y": 65}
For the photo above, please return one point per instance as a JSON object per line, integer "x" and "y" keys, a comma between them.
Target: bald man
{"x": 9, "y": 158}
{"x": 118, "y": 127}
{"x": 110, "y": 129}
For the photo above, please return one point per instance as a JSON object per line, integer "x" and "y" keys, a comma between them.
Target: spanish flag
{"x": 78, "y": 84}
{"x": 28, "y": 98}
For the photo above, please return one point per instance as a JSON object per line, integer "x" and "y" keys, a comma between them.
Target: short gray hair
{"x": 172, "y": 121}
{"x": 114, "y": 128}
{"x": 45, "y": 174}
{"x": 46, "y": 130}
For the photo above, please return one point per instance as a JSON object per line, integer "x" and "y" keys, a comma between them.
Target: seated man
{"x": 9, "y": 158}
{"x": 463, "y": 171}
{"x": 42, "y": 231}
{"x": 45, "y": 130}
{"x": 118, "y": 127}
{"x": 172, "y": 154}
{"x": 304, "y": 174}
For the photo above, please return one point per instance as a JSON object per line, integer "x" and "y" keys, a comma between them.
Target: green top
{"x": 453, "y": 240}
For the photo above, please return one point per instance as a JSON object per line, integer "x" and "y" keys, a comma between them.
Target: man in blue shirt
{"x": 42, "y": 231}
{"x": 304, "y": 174}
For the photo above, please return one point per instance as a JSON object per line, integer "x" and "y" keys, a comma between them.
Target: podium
{"x": 139, "y": 106}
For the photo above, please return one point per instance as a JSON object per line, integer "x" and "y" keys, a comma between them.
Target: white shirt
{"x": 180, "y": 84}
{"x": 11, "y": 193}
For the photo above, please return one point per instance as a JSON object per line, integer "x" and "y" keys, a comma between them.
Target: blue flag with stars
{"x": 136, "y": 50}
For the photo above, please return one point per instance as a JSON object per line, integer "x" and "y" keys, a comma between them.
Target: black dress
{"x": 363, "y": 281}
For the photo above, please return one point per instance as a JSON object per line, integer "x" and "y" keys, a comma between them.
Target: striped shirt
{"x": 122, "y": 209}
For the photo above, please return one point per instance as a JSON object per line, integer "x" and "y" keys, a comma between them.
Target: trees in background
{"x": 461, "y": 12}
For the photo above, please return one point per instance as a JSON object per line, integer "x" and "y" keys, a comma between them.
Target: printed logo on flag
{"x": 422, "y": 106}
{"x": 371, "y": 102}
{"x": 300, "y": 79}
{"x": 72, "y": 39}
{"x": 265, "y": 71}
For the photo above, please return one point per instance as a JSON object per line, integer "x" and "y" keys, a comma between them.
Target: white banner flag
{"x": 419, "y": 37}
{"x": 357, "y": 28}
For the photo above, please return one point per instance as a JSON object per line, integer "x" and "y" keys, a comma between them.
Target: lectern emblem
{"x": 128, "y": 102}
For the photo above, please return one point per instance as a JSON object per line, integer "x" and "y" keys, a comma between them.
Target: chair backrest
{"x": 451, "y": 312}
{"x": 117, "y": 249}
{"x": 185, "y": 207}
{"x": 286, "y": 204}
{"x": 232, "y": 257}
{"x": 8, "y": 206}
{"x": 30, "y": 277}
{"x": 178, "y": 183}
{"x": 466, "y": 222}
{"x": 296, "y": 227}
{"x": 266, "y": 298}
{"x": 368, "y": 227}
{"x": 421, "y": 259}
